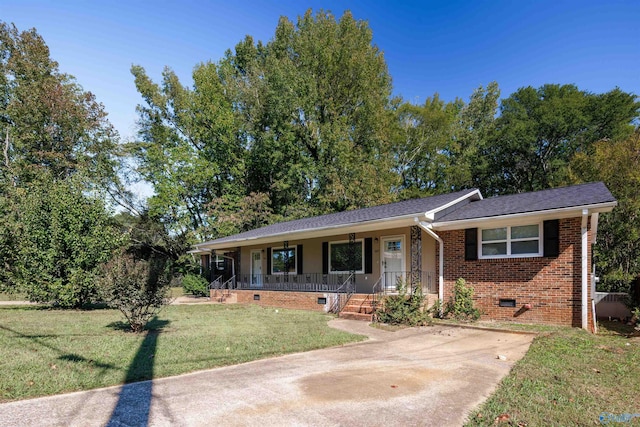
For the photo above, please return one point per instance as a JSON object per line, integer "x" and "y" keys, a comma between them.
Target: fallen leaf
{"x": 53, "y": 366}
{"x": 394, "y": 386}
{"x": 502, "y": 417}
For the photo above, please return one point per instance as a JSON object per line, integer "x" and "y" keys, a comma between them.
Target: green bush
{"x": 460, "y": 305}
{"x": 138, "y": 288}
{"x": 404, "y": 308}
{"x": 195, "y": 285}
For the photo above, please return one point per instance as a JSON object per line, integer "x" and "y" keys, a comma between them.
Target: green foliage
{"x": 460, "y": 305}
{"x": 436, "y": 309}
{"x": 405, "y": 308}
{"x": 540, "y": 130}
{"x": 138, "y": 288}
{"x": 195, "y": 285}
{"x": 189, "y": 147}
{"x": 617, "y": 252}
{"x": 47, "y": 120}
{"x": 62, "y": 239}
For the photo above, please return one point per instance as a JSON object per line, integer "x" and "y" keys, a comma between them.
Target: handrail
{"x": 375, "y": 293}
{"x": 231, "y": 279}
{"x": 337, "y": 304}
{"x": 216, "y": 283}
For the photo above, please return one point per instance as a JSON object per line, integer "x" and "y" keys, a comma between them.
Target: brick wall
{"x": 551, "y": 285}
{"x": 285, "y": 299}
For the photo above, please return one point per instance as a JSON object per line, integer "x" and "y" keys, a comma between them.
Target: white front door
{"x": 392, "y": 261}
{"x": 256, "y": 268}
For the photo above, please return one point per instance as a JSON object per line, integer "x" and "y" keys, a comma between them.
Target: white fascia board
{"x": 430, "y": 215}
{"x": 575, "y": 211}
{"x": 381, "y": 224}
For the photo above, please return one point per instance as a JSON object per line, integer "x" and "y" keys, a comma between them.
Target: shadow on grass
{"x": 134, "y": 400}
{"x": 617, "y": 328}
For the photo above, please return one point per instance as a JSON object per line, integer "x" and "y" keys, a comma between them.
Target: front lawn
{"x": 570, "y": 377}
{"x": 44, "y": 352}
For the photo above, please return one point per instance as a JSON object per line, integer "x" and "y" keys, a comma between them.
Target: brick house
{"x": 528, "y": 256}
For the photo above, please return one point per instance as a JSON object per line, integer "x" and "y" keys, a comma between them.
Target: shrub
{"x": 404, "y": 308}
{"x": 195, "y": 285}
{"x": 138, "y": 288}
{"x": 460, "y": 305}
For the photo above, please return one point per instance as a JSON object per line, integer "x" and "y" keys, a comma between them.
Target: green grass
{"x": 569, "y": 377}
{"x": 12, "y": 297}
{"x": 45, "y": 352}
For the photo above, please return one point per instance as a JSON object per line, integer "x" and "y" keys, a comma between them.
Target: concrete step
{"x": 356, "y": 316}
{"x": 358, "y": 308}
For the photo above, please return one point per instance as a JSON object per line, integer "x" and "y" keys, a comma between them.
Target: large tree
{"x": 617, "y": 163}
{"x": 540, "y": 130}
{"x": 298, "y": 125}
{"x": 48, "y": 122}
{"x": 189, "y": 148}
{"x": 315, "y": 102}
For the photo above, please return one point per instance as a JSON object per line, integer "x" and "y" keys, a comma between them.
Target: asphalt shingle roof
{"x": 556, "y": 198}
{"x": 407, "y": 207}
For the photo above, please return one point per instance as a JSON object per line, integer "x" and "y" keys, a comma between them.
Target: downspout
{"x": 585, "y": 269}
{"x": 427, "y": 228}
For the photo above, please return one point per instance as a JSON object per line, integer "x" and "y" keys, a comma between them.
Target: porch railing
{"x": 305, "y": 282}
{"x": 392, "y": 281}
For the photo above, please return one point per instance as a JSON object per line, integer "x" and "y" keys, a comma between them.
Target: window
{"x": 340, "y": 257}
{"x": 283, "y": 260}
{"x": 511, "y": 241}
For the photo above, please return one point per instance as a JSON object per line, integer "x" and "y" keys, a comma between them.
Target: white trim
{"x": 539, "y": 215}
{"x": 337, "y": 242}
{"x": 259, "y": 252}
{"x": 430, "y": 215}
{"x": 294, "y": 248}
{"x": 508, "y": 242}
{"x": 400, "y": 237}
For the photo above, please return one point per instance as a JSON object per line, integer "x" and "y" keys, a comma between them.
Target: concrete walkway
{"x": 413, "y": 377}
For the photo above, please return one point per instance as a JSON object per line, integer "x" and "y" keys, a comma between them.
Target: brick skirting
{"x": 286, "y": 299}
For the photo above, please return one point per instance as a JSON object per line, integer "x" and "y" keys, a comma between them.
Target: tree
{"x": 422, "y": 135}
{"x": 315, "y": 106}
{"x": 617, "y": 252}
{"x": 63, "y": 238}
{"x": 468, "y": 165}
{"x": 189, "y": 148}
{"x": 540, "y": 130}
{"x": 47, "y": 121}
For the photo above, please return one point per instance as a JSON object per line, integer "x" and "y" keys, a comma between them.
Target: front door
{"x": 392, "y": 262}
{"x": 256, "y": 268}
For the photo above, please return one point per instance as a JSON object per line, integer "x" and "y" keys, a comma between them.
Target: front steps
{"x": 359, "y": 307}
{"x": 362, "y": 306}
{"x": 223, "y": 296}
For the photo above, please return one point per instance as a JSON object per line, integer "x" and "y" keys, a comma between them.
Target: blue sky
{"x": 447, "y": 46}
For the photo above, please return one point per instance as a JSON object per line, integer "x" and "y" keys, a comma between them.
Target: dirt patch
{"x": 367, "y": 384}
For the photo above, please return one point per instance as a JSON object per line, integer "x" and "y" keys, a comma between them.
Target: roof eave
{"x": 559, "y": 213}
{"x": 392, "y": 222}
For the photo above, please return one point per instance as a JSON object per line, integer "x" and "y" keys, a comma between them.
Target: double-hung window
{"x": 511, "y": 241}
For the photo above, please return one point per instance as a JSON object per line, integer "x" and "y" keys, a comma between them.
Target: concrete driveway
{"x": 413, "y": 377}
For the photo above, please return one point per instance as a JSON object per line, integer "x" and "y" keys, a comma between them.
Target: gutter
{"x": 427, "y": 228}
{"x": 585, "y": 269}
